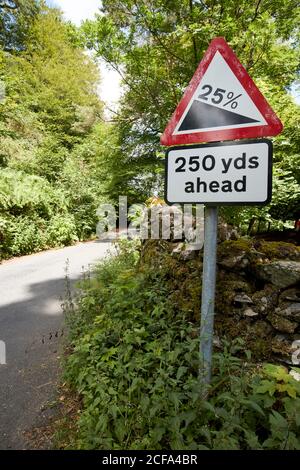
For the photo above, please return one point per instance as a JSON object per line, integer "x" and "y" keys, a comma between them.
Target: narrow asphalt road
{"x": 31, "y": 325}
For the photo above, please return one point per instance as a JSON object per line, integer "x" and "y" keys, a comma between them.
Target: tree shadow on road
{"x": 33, "y": 331}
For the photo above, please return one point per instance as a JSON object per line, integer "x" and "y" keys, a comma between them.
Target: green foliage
{"x": 50, "y": 119}
{"x": 156, "y": 45}
{"x": 62, "y": 229}
{"x": 23, "y": 235}
{"x": 33, "y": 215}
{"x": 16, "y": 17}
{"x": 284, "y": 208}
{"x": 135, "y": 362}
{"x": 278, "y": 393}
{"x": 53, "y": 81}
{"x": 21, "y": 194}
{"x": 52, "y": 144}
{"x": 278, "y": 381}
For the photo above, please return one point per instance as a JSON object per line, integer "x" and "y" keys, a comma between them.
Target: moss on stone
{"x": 282, "y": 324}
{"x": 153, "y": 251}
{"x": 257, "y": 335}
{"x": 234, "y": 247}
{"x": 265, "y": 300}
{"x": 227, "y": 288}
{"x": 278, "y": 250}
{"x": 281, "y": 347}
{"x": 271, "y": 250}
{"x": 183, "y": 277}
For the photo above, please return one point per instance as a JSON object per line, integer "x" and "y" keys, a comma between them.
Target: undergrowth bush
{"x": 33, "y": 215}
{"x": 25, "y": 235}
{"x": 62, "y": 229}
{"x": 135, "y": 362}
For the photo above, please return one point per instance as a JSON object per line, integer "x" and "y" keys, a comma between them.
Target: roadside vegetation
{"x": 59, "y": 158}
{"x": 157, "y": 45}
{"x": 133, "y": 356}
{"x": 134, "y": 335}
{"x": 53, "y": 141}
{"x": 135, "y": 365}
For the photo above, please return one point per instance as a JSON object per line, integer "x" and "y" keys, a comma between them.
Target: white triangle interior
{"x": 220, "y": 75}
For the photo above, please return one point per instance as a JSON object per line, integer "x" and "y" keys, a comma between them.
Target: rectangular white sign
{"x": 238, "y": 172}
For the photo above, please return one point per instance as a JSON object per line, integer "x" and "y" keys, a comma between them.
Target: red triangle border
{"x": 273, "y": 127}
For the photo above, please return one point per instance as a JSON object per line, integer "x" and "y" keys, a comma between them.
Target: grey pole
{"x": 208, "y": 292}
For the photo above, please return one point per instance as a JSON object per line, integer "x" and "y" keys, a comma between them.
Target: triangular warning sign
{"x": 221, "y": 103}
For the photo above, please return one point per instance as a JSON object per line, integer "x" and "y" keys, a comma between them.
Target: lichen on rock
{"x": 282, "y": 274}
{"x": 282, "y": 324}
{"x": 257, "y": 291}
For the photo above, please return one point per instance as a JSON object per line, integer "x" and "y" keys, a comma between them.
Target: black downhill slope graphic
{"x": 203, "y": 116}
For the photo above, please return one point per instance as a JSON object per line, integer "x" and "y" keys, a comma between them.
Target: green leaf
{"x": 252, "y": 404}
{"x": 252, "y": 440}
{"x": 266, "y": 386}
{"x": 278, "y": 421}
{"x": 181, "y": 371}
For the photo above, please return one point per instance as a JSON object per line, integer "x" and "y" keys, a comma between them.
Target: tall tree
{"x": 157, "y": 44}
{"x": 50, "y": 181}
{"x": 16, "y": 17}
{"x": 52, "y": 80}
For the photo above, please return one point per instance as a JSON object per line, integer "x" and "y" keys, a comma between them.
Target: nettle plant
{"x": 135, "y": 362}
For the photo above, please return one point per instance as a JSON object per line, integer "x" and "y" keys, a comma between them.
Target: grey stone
{"x": 282, "y": 324}
{"x": 179, "y": 248}
{"x": 293, "y": 298}
{"x": 186, "y": 251}
{"x": 231, "y": 262}
{"x": 217, "y": 342}
{"x": 296, "y": 352}
{"x": 294, "y": 308}
{"x": 289, "y": 310}
{"x": 250, "y": 313}
{"x": 282, "y": 274}
{"x": 227, "y": 232}
{"x": 290, "y": 295}
{"x": 295, "y": 375}
{"x": 243, "y": 299}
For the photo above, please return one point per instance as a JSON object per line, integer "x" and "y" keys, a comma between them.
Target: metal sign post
{"x": 208, "y": 292}
{"x": 235, "y": 173}
{"x": 221, "y": 103}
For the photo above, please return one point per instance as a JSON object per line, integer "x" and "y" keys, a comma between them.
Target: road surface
{"x": 31, "y": 325}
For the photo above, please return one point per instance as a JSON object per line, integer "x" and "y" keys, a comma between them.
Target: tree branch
{"x": 256, "y": 10}
{"x": 193, "y": 37}
{"x": 157, "y": 37}
{"x": 8, "y": 6}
